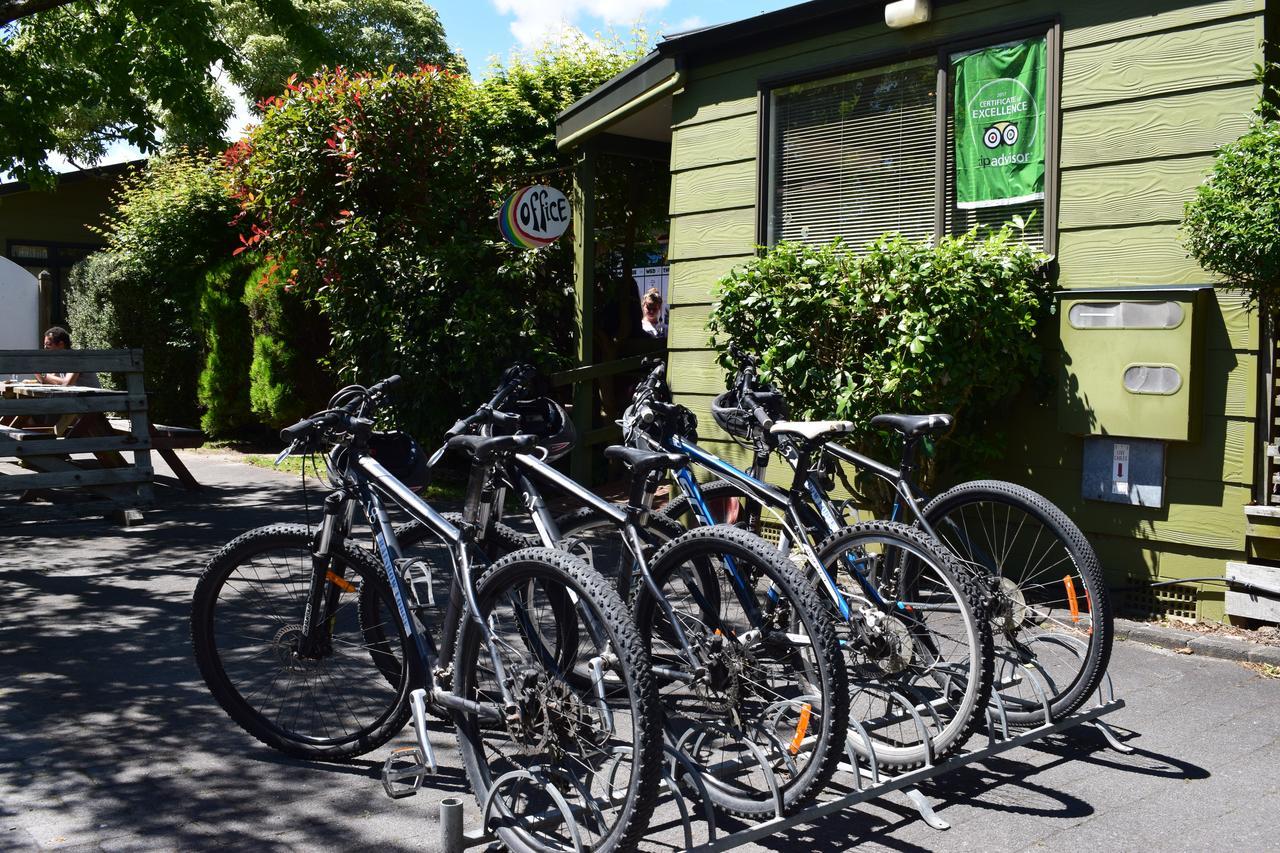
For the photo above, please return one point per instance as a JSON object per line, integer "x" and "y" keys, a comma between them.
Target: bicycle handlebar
{"x": 515, "y": 378}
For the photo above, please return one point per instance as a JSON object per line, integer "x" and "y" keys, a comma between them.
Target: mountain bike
{"x": 1041, "y": 581}
{"x": 281, "y": 634}
{"x": 749, "y": 674}
{"x": 916, "y": 643}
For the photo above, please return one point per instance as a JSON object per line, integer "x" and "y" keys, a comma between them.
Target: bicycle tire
{"x": 585, "y": 526}
{"x": 885, "y": 663}
{"x": 813, "y": 662}
{"x": 631, "y": 698}
{"x": 953, "y": 513}
{"x": 239, "y": 567}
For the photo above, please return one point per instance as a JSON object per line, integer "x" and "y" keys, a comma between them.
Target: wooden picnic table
{"x": 97, "y": 424}
{"x": 61, "y": 440}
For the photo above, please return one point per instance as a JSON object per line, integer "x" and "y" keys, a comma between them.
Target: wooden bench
{"x": 165, "y": 440}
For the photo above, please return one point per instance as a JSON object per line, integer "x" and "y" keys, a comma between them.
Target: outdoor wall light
{"x": 906, "y": 13}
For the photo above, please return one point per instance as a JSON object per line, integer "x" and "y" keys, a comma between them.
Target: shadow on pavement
{"x": 109, "y": 729}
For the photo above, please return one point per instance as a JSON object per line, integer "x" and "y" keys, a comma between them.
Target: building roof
{"x": 678, "y": 51}
{"x": 77, "y": 176}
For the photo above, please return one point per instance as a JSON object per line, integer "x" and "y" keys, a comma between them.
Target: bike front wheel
{"x": 758, "y": 701}
{"x": 328, "y": 700}
{"x": 573, "y": 763}
{"x": 917, "y": 647}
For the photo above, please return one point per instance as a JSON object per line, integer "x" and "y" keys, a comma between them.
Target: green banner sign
{"x": 1000, "y": 124}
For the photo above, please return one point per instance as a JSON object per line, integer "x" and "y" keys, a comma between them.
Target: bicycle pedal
{"x": 403, "y": 772}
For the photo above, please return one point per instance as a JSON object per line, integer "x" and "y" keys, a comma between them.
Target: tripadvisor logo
{"x": 1003, "y": 114}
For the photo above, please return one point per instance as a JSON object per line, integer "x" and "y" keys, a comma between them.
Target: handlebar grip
{"x": 458, "y": 428}
{"x": 762, "y": 417}
{"x": 386, "y": 385}
{"x": 298, "y": 430}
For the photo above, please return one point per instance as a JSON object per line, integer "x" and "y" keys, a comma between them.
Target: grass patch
{"x": 444, "y": 491}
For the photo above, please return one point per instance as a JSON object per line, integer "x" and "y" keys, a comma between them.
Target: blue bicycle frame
{"x": 778, "y": 500}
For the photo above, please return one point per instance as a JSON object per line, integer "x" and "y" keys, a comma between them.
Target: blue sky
{"x": 484, "y": 28}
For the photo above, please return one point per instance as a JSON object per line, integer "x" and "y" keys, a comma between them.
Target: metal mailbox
{"x": 1132, "y": 361}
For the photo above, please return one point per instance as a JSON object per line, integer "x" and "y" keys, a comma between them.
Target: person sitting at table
{"x": 59, "y": 338}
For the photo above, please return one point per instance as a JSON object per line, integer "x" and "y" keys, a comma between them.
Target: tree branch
{"x": 12, "y": 10}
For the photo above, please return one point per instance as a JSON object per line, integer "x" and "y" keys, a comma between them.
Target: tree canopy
{"x": 76, "y": 77}
{"x": 361, "y": 35}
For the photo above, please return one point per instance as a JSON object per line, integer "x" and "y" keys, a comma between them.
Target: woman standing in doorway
{"x": 651, "y": 319}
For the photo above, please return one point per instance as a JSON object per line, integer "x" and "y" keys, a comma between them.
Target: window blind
{"x": 853, "y": 156}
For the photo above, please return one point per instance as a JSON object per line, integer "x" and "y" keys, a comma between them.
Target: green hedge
{"x": 224, "y": 382}
{"x": 902, "y": 326}
{"x": 171, "y": 224}
{"x": 290, "y": 338}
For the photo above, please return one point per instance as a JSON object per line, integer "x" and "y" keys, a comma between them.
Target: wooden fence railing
{"x": 42, "y": 426}
{"x": 583, "y": 380}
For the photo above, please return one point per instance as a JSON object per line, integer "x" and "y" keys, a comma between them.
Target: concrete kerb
{"x": 1221, "y": 648}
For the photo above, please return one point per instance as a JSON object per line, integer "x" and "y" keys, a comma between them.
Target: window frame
{"x": 1049, "y": 28}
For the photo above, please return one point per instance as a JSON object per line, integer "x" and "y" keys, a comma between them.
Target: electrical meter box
{"x": 1133, "y": 361}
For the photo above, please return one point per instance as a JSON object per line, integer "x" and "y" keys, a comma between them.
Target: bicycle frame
{"x": 769, "y": 496}
{"x": 369, "y": 484}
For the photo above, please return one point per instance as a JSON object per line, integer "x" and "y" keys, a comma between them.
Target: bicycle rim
{"x": 247, "y": 615}
{"x": 920, "y": 663}
{"x": 585, "y": 748}
{"x": 766, "y": 722}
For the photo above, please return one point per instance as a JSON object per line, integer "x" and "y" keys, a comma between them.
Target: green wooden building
{"x": 1139, "y": 95}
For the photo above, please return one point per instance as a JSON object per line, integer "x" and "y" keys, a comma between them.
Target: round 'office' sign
{"x": 533, "y": 217}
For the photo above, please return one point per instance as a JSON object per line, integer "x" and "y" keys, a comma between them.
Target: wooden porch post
{"x": 584, "y": 278}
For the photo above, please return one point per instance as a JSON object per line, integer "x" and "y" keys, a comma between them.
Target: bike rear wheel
{"x": 770, "y": 707}
{"x": 588, "y": 750}
{"x": 246, "y": 624}
{"x": 1048, "y": 604}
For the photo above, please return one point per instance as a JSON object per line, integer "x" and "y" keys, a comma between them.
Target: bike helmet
{"x": 740, "y": 422}
{"x": 548, "y": 420}
{"x": 400, "y": 454}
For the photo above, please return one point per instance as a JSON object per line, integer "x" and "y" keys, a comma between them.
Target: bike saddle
{"x": 912, "y": 426}
{"x": 484, "y": 447}
{"x": 644, "y": 462}
{"x": 811, "y": 430}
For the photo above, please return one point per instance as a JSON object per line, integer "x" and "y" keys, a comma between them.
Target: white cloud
{"x": 537, "y": 20}
{"x": 692, "y": 22}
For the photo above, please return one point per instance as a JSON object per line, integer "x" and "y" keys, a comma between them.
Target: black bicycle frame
{"x": 368, "y": 483}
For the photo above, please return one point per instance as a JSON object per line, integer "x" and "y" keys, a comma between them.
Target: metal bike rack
{"x": 860, "y": 778}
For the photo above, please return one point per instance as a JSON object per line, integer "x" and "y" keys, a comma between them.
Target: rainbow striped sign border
{"x": 534, "y": 216}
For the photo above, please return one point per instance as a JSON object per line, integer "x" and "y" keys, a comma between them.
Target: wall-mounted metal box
{"x": 1133, "y": 361}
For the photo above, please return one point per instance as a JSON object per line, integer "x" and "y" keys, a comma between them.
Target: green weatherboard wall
{"x": 1149, "y": 91}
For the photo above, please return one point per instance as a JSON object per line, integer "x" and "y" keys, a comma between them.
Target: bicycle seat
{"x": 811, "y": 430}
{"x": 644, "y": 462}
{"x": 912, "y": 426}
{"x": 486, "y": 447}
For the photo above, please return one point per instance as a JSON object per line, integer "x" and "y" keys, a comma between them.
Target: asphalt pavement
{"x": 109, "y": 740}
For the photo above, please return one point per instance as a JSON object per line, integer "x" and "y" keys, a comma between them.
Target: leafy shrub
{"x": 224, "y": 382}
{"x": 1232, "y": 226}
{"x": 172, "y": 221}
{"x": 383, "y": 186}
{"x": 903, "y": 326}
{"x": 289, "y": 341}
